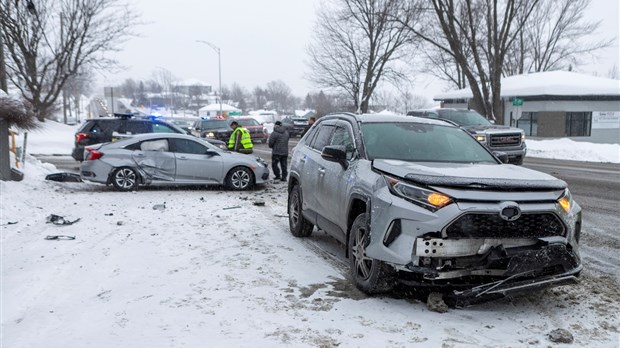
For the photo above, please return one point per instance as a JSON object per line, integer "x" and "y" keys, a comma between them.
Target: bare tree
{"x": 280, "y": 94}
{"x": 47, "y": 44}
{"x": 168, "y": 83}
{"x": 358, "y": 44}
{"x": 478, "y": 35}
{"x": 555, "y": 37}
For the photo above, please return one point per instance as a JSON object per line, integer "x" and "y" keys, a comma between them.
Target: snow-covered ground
{"x": 213, "y": 269}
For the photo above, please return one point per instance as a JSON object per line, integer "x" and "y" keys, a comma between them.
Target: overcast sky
{"x": 261, "y": 41}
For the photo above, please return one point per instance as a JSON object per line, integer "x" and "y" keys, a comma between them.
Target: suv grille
{"x": 499, "y": 140}
{"x": 493, "y": 226}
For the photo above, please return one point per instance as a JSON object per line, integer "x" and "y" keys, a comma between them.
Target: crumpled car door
{"x": 155, "y": 160}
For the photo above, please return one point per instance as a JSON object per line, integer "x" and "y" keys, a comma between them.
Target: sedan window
{"x": 154, "y": 145}
{"x": 188, "y": 146}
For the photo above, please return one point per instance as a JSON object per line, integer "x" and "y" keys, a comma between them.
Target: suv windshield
{"x": 214, "y": 124}
{"x": 417, "y": 142}
{"x": 464, "y": 117}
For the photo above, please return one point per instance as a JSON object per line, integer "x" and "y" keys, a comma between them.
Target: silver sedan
{"x": 170, "y": 159}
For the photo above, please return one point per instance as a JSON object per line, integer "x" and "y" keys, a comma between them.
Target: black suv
{"x": 420, "y": 201}
{"x": 212, "y": 128}
{"x": 103, "y": 129}
{"x": 498, "y": 138}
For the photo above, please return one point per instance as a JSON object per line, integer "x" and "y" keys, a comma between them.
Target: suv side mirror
{"x": 336, "y": 153}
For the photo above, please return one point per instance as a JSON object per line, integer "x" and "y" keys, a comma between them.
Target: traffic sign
{"x": 517, "y": 102}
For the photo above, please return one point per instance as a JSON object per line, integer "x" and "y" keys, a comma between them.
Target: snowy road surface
{"x": 213, "y": 269}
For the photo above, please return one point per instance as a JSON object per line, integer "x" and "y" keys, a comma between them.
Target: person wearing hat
{"x": 278, "y": 142}
{"x": 240, "y": 140}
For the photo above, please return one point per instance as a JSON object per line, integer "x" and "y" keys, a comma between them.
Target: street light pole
{"x": 219, "y": 66}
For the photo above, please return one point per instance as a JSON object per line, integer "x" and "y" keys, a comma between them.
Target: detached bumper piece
{"x": 508, "y": 287}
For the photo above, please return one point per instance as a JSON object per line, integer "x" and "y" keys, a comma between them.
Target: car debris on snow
{"x": 435, "y": 303}
{"x": 60, "y": 220}
{"x": 159, "y": 206}
{"x": 233, "y": 207}
{"x": 259, "y": 203}
{"x": 59, "y": 237}
{"x": 561, "y": 336}
{"x": 64, "y": 177}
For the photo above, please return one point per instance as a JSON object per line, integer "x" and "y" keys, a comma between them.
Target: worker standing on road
{"x": 278, "y": 142}
{"x": 311, "y": 121}
{"x": 240, "y": 139}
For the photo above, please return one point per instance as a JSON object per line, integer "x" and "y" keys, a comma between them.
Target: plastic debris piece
{"x": 259, "y": 203}
{"x": 159, "y": 206}
{"x": 59, "y": 237}
{"x": 60, "y": 220}
{"x": 64, "y": 177}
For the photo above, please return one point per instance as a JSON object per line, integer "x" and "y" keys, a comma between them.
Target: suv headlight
{"x": 428, "y": 199}
{"x": 565, "y": 201}
{"x": 480, "y": 137}
{"x": 211, "y": 135}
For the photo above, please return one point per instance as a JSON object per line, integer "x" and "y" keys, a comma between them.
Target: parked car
{"x": 212, "y": 128}
{"x": 421, "y": 202}
{"x": 185, "y": 123}
{"x": 106, "y": 129}
{"x": 295, "y": 125}
{"x": 509, "y": 140}
{"x": 258, "y": 132}
{"x": 170, "y": 159}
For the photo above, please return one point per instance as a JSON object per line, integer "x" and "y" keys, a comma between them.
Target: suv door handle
{"x": 321, "y": 171}
{"x": 183, "y": 157}
{"x": 140, "y": 154}
{"x": 302, "y": 160}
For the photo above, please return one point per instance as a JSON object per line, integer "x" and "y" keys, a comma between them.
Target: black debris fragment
{"x": 259, "y": 203}
{"x": 233, "y": 207}
{"x": 60, "y": 237}
{"x": 60, "y": 220}
{"x": 64, "y": 177}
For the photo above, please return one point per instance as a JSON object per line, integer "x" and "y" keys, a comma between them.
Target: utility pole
{"x": 219, "y": 65}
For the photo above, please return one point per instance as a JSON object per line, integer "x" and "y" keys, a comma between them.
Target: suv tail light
{"x": 93, "y": 154}
{"x": 80, "y": 136}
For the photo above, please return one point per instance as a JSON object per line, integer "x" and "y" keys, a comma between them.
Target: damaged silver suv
{"x": 421, "y": 202}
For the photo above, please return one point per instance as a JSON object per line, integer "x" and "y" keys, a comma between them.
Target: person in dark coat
{"x": 278, "y": 142}
{"x": 311, "y": 121}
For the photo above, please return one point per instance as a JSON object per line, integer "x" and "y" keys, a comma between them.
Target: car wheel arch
{"x": 358, "y": 204}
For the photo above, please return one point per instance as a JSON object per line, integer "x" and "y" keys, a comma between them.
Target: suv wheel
{"x": 125, "y": 179}
{"x": 299, "y": 226}
{"x": 239, "y": 178}
{"x": 369, "y": 275}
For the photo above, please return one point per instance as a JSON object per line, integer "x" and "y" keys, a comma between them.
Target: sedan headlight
{"x": 565, "y": 201}
{"x": 428, "y": 199}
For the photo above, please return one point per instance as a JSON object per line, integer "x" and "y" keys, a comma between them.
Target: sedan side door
{"x": 196, "y": 162}
{"x": 155, "y": 159}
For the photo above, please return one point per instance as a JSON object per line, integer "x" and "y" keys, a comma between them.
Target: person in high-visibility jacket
{"x": 240, "y": 139}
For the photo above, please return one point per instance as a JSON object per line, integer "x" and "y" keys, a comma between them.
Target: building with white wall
{"x": 556, "y": 104}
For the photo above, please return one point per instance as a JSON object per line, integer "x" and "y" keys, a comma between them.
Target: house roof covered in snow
{"x": 193, "y": 82}
{"x": 551, "y": 83}
{"x": 216, "y": 107}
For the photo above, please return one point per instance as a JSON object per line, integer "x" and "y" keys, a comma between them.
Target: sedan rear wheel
{"x": 125, "y": 179}
{"x": 239, "y": 178}
{"x": 369, "y": 275}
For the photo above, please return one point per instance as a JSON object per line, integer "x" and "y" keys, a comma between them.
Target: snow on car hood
{"x": 479, "y": 176}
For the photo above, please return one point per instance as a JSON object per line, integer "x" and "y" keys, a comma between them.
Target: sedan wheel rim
{"x": 125, "y": 178}
{"x": 362, "y": 262}
{"x": 240, "y": 179}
